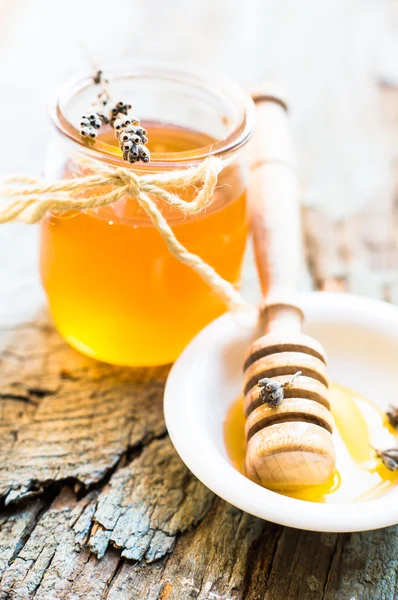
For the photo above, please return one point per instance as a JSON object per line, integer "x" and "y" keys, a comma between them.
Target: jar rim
{"x": 218, "y": 87}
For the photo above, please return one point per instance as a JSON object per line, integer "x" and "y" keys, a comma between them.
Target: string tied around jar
{"x": 32, "y": 197}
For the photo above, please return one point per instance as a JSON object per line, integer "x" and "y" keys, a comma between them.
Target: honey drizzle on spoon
{"x": 360, "y": 427}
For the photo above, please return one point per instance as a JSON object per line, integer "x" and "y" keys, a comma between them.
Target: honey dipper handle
{"x": 273, "y": 197}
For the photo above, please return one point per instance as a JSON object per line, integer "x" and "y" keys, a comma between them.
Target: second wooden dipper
{"x": 288, "y": 419}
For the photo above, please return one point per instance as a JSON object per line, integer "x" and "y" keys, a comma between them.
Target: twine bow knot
{"x": 128, "y": 182}
{"x": 33, "y": 197}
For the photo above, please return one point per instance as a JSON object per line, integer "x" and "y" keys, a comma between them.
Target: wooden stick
{"x": 289, "y": 444}
{"x": 275, "y": 224}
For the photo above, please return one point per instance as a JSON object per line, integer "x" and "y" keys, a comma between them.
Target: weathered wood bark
{"x": 230, "y": 555}
{"x": 147, "y": 503}
{"x": 65, "y": 417}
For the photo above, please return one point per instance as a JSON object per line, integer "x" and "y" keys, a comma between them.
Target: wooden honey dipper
{"x": 288, "y": 445}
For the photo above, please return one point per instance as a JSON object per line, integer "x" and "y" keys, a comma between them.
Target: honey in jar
{"x": 114, "y": 290}
{"x": 360, "y": 427}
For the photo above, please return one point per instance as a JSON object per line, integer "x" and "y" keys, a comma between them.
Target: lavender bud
{"x": 144, "y": 154}
{"x": 392, "y": 415}
{"x": 389, "y": 458}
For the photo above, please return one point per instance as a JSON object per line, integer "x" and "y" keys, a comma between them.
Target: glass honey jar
{"x": 114, "y": 290}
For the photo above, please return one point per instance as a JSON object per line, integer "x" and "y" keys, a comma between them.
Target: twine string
{"x": 31, "y": 198}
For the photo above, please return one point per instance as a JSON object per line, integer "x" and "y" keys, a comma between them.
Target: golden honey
{"x": 360, "y": 428}
{"x": 114, "y": 290}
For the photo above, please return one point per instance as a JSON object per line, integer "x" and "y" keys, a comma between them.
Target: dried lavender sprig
{"x": 273, "y": 391}
{"x": 389, "y": 458}
{"x": 92, "y": 123}
{"x": 392, "y": 415}
{"x": 132, "y": 137}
